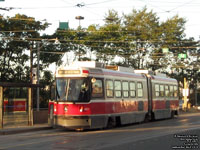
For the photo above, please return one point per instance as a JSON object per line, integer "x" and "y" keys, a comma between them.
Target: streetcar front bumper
{"x": 73, "y": 122}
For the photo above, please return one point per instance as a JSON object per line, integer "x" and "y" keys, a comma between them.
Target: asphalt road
{"x": 178, "y": 134}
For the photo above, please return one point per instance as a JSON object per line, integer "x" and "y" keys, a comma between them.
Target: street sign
{"x": 181, "y": 55}
{"x": 185, "y": 92}
{"x": 64, "y": 25}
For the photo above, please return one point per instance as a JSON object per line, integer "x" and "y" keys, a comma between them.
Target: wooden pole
{"x": 1, "y": 107}
{"x": 30, "y": 108}
{"x": 185, "y": 95}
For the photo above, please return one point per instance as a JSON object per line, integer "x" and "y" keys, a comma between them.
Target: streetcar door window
{"x": 132, "y": 89}
{"x": 109, "y": 88}
{"x": 157, "y": 90}
{"x": 125, "y": 89}
{"x": 97, "y": 88}
{"x": 140, "y": 89}
{"x": 175, "y": 91}
{"x": 166, "y": 90}
{"x": 171, "y": 91}
{"x": 118, "y": 89}
{"x": 162, "y": 93}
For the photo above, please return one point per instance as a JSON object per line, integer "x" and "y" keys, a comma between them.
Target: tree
{"x": 16, "y": 34}
{"x": 47, "y": 81}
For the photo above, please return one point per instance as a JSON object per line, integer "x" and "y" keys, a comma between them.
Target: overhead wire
{"x": 184, "y": 4}
{"x": 102, "y": 2}
{"x": 96, "y": 41}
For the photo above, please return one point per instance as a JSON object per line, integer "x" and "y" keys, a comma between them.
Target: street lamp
{"x": 79, "y": 18}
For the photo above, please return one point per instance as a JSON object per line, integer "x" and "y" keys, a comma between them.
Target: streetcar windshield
{"x": 73, "y": 90}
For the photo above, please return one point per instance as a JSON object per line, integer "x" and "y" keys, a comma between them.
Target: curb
{"x": 23, "y": 130}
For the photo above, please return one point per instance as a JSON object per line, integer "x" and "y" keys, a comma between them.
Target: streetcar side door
{"x": 150, "y": 94}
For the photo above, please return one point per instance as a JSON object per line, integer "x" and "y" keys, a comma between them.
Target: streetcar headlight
{"x": 65, "y": 109}
{"x": 84, "y": 109}
{"x": 81, "y": 109}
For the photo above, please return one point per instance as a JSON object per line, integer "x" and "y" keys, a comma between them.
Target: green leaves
{"x": 135, "y": 39}
{"x": 16, "y": 33}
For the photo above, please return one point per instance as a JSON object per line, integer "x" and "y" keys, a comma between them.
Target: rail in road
{"x": 163, "y": 134}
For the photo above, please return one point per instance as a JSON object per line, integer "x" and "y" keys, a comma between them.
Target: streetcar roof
{"x": 92, "y": 68}
{"x": 164, "y": 79}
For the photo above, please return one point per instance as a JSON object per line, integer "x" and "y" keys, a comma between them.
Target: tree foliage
{"x": 14, "y": 33}
{"x": 18, "y": 35}
{"x": 135, "y": 39}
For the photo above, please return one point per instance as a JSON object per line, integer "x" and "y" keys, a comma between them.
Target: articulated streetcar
{"x": 90, "y": 96}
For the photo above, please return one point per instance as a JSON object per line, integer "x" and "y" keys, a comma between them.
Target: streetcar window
{"x": 140, "y": 89}
{"x": 97, "y": 88}
{"x": 157, "y": 90}
{"x": 175, "y": 91}
{"x": 61, "y": 85}
{"x": 171, "y": 91}
{"x": 73, "y": 90}
{"x": 162, "y": 93}
{"x": 166, "y": 90}
{"x": 78, "y": 90}
{"x": 132, "y": 89}
{"x": 109, "y": 88}
{"x": 125, "y": 88}
{"x": 118, "y": 88}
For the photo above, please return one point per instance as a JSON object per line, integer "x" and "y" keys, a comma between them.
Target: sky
{"x": 93, "y": 11}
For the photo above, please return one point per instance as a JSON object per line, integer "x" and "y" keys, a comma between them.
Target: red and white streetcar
{"x": 89, "y": 95}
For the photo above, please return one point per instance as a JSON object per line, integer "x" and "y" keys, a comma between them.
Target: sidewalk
{"x": 23, "y": 129}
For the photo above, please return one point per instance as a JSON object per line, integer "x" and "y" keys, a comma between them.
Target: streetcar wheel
{"x": 147, "y": 118}
{"x": 172, "y": 114}
{"x": 111, "y": 123}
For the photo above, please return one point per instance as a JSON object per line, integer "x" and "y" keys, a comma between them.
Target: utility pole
{"x": 38, "y": 76}
{"x": 30, "y": 90}
{"x": 31, "y": 64}
{"x": 185, "y": 94}
{"x": 79, "y": 18}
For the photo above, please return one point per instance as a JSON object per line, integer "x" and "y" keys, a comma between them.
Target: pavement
{"x": 23, "y": 129}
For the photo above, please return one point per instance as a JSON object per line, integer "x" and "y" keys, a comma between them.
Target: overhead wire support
{"x": 6, "y": 8}
{"x": 80, "y": 5}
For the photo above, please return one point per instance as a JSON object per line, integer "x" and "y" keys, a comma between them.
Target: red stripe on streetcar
{"x": 99, "y": 108}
